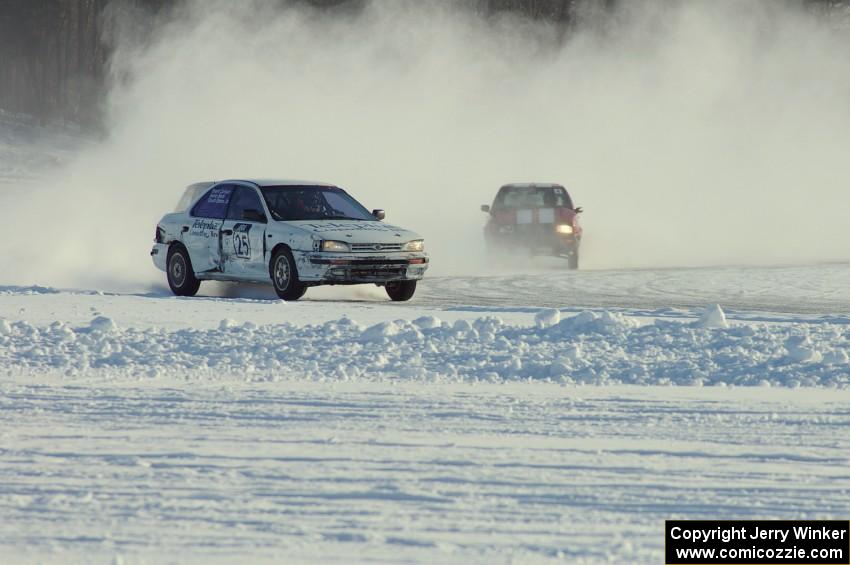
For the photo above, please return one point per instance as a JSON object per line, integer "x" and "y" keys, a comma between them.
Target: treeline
{"x": 53, "y": 55}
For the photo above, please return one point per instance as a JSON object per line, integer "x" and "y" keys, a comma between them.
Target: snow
{"x": 713, "y": 317}
{"x": 801, "y": 350}
{"x": 591, "y": 347}
{"x": 549, "y": 426}
{"x": 547, "y": 317}
{"x": 223, "y": 470}
{"x": 543, "y": 283}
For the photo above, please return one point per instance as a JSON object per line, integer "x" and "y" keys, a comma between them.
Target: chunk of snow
{"x": 62, "y": 333}
{"x": 103, "y": 324}
{"x": 5, "y": 327}
{"x": 606, "y": 323}
{"x": 573, "y": 352}
{"x": 836, "y": 357}
{"x": 426, "y": 322}
{"x": 346, "y": 322}
{"x": 226, "y": 323}
{"x": 547, "y": 317}
{"x": 800, "y": 350}
{"x": 712, "y": 317}
{"x": 379, "y": 332}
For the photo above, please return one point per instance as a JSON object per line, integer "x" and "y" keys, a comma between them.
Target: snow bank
{"x": 591, "y": 348}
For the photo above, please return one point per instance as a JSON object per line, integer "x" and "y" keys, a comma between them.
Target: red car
{"x": 539, "y": 218}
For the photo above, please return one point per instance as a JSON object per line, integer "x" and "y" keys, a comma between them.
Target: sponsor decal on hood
{"x": 337, "y": 226}
{"x": 357, "y": 231}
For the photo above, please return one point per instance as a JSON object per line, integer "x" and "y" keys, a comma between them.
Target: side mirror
{"x": 579, "y": 210}
{"x": 252, "y": 215}
{"x": 379, "y": 214}
{"x": 485, "y": 208}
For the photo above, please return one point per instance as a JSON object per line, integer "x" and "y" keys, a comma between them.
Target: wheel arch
{"x": 191, "y": 283}
{"x": 177, "y": 244}
{"x": 278, "y": 247}
{"x": 275, "y": 250}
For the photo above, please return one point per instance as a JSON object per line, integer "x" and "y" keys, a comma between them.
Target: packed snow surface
{"x": 294, "y": 471}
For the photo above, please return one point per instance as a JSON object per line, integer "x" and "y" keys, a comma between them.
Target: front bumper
{"x": 533, "y": 237}
{"x": 352, "y": 268}
{"x": 159, "y": 254}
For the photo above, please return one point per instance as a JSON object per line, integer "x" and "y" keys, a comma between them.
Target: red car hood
{"x": 534, "y": 216}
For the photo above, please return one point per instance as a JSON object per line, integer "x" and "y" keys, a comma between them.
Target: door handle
{"x": 185, "y": 229}
{"x": 226, "y": 232}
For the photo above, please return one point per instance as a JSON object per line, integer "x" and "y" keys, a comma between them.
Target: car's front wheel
{"x": 285, "y": 276}
{"x": 181, "y": 277}
{"x": 401, "y": 291}
{"x": 572, "y": 260}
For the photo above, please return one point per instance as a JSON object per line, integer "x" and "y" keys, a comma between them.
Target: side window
{"x": 214, "y": 203}
{"x": 191, "y": 194}
{"x": 243, "y": 199}
{"x": 499, "y": 201}
{"x": 562, "y": 198}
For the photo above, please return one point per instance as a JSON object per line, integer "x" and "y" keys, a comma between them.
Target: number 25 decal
{"x": 241, "y": 241}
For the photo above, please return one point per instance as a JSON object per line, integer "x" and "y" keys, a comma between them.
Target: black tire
{"x": 401, "y": 291}
{"x": 178, "y": 270}
{"x": 572, "y": 261}
{"x": 284, "y": 276}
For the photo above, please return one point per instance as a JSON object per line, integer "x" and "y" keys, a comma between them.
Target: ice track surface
{"x": 805, "y": 289}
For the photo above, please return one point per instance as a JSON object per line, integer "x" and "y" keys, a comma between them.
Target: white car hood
{"x": 356, "y": 231}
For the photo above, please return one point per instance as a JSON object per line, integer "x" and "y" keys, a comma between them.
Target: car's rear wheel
{"x": 181, "y": 277}
{"x": 401, "y": 291}
{"x": 285, "y": 276}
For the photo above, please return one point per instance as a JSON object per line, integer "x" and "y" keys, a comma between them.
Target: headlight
{"x": 564, "y": 229}
{"x": 335, "y": 246}
{"x": 415, "y": 245}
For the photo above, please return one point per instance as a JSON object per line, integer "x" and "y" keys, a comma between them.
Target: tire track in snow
{"x": 446, "y": 473}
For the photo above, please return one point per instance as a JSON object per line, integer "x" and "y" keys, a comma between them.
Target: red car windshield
{"x": 532, "y": 197}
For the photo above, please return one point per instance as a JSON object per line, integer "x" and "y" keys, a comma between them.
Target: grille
{"x": 377, "y": 274}
{"x": 375, "y": 247}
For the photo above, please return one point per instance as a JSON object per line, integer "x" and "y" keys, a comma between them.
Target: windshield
{"x": 533, "y": 197}
{"x": 288, "y": 203}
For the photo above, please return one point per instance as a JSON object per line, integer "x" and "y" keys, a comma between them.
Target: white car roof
{"x": 533, "y": 184}
{"x": 280, "y": 182}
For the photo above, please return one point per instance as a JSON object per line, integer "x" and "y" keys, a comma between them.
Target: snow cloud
{"x": 692, "y": 133}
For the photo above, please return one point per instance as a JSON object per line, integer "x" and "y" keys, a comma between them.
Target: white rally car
{"x": 294, "y": 234}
